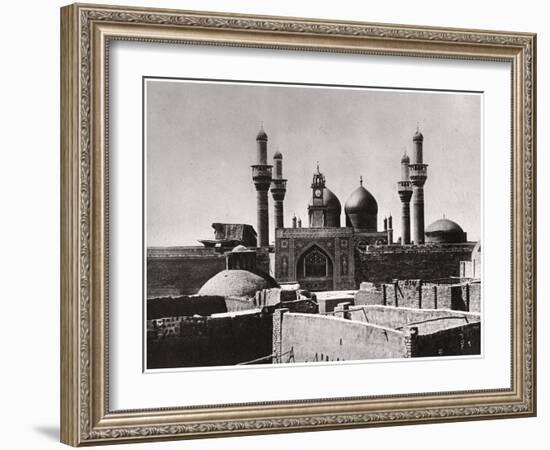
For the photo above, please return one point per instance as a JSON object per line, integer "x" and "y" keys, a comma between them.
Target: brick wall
{"x": 444, "y": 296}
{"x": 381, "y": 264}
{"x": 404, "y": 293}
{"x": 425, "y": 320}
{"x": 276, "y": 334}
{"x": 318, "y": 338}
{"x": 181, "y": 275}
{"x": 328, "y": 304}
{"x": 431, "y": 298}
{"x": 203, "y": 305}
{"x": 208, "y": 341}
{"x": 475, "y": 296}
{"x": 302, "y": 306}
{"x": 371, "y": 295}
{"x": 174, "y": 271}
{"x": 422, "y": 295}
{"x": 238, "y": 304}
{"x": 460, "y": 340}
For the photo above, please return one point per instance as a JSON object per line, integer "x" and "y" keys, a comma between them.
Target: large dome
{"x": 445, "y": 231}
{"x": 362, "y": 210}
{"x": 235, "y": 283}
{"x": 334, "y": 208}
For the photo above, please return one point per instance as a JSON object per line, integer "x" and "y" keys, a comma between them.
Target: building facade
{"x": 328, "y": 256}
{"x": 319, "y": 259}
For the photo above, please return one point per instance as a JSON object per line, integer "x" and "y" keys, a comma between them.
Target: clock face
{"x": 318, "y": 192}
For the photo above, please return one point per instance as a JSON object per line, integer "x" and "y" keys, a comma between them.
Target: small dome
{"x": 405, "y": 159}
{"x": 235, "y": 283}
{"x": 362, "y": 209}
{"x": 261, "y": 136}
{"x": 445, "y": 231}
{"x": 418, "y": 136}
{"x": 277, "y": 155}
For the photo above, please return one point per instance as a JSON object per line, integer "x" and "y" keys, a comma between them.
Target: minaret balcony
{"x": 278, "y": 188}
{"x": 261, "y": 171}
{"x": 278, "y": 184}
{"x": 261, "y": 176}
{"x": 418, "y": 174}
{"x": 404, "y": 189}
{"x": 404, "y": 186}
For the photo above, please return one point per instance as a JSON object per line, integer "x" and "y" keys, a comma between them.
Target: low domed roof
{"x": 405, "y": 158}
{"x": 277, "y": 155}
{"x": 330, "y": 201}
{"x": 445, "y": 231}
{"x": 261, "y": 136}
{"x": 444, "y": 226}
{"x": 362, "y": 201}
{"x": 235, "y": 283}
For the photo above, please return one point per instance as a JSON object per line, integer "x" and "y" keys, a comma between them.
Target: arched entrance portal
{"x": 315, "y": 270}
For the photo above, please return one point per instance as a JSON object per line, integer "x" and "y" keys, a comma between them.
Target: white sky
{"x": 201, "y": 142}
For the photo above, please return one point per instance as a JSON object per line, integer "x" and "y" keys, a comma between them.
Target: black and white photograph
{"x": 301, "y": 223}
{"x": 243, "y": 225}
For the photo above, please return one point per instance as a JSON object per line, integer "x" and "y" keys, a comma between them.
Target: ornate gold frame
{"x": 85, "y": 33}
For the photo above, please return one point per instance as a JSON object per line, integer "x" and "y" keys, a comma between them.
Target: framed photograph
{"x": 273, "y": 224}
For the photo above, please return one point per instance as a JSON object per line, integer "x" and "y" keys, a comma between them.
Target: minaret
{"x": 278, "y": 189}
{"x": 261, "y": 175}
{"x": 404, "y": 189}
{"x": 418, "y": 175}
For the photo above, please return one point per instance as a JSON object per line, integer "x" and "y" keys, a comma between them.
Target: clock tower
{"x": 317, "y": 209}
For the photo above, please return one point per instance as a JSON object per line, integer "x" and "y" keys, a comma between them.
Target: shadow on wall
{"x": 209, "y": 341}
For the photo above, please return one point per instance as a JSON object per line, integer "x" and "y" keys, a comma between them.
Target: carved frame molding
{"x": 86, "y": 31}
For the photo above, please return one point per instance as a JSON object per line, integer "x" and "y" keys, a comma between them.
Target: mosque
{"x": 328, "y": 256}
{"x": 242, "y": 299}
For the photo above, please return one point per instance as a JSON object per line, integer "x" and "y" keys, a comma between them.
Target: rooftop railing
{"x": 404, "y": 186}
{"x": 261, "y": 171}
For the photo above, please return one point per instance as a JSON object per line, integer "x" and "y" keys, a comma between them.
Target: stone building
{"x": 174, "y": 271}
{"x": 229, "y": 235}
{"x": 340, "y": 292}
{"x": 322, "y": 256}
{"x": 328, "y": 256}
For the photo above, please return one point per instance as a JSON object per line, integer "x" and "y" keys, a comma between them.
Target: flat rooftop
{"x": 323, "y": 295}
